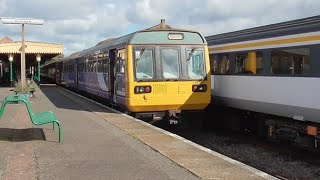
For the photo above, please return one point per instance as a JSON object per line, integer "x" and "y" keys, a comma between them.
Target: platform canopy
{"x": 36, "y": 53}
{"x": 48, "y": 50}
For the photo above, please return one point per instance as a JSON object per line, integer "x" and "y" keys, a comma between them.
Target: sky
{"x": 81, "y": 24}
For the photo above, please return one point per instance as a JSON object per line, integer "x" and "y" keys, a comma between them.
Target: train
{"x": 51, "y": 71}
{"x": 271, "y": 76}
{"x": 159, "y": 72}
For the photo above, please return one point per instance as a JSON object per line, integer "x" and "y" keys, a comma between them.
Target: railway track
{"x": 278, "y": 159}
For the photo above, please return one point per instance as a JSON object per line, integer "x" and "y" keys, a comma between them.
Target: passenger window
{"x": 248, "y": 63}
{"x": 120, "y": 64}
{"x": 105, "y": 62}
{"x": 220, "y": 64}
{"x": 290, "y": 61}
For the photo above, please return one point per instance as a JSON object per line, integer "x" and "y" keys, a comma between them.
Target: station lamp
{"x": 22, "y": 21}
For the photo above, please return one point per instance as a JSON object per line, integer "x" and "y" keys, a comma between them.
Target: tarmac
{"x": 100, "y": 143}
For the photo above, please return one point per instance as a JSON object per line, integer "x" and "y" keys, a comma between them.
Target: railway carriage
{"x": 272, "y": 72}
{"x": 52, "y": 71}
{"x": 156, "y": 72}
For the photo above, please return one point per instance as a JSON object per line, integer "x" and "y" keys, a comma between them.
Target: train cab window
{"x": 195, "y": 63}
{"x": 144, "y": 59}
{"x": 170, "y": 63}
{"x": 290, "y": 61}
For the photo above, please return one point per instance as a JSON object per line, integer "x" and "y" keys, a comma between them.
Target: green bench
{"x": 36, "y": 118}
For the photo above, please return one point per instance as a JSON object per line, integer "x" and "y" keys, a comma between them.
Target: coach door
{"x": 117, "y": 76}
{"x": 120, "y": 76}
{"x": 112, "y": 60}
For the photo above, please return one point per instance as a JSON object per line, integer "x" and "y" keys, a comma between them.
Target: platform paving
{"x": 92, "y": 148}
{"x": 100, "y": 143}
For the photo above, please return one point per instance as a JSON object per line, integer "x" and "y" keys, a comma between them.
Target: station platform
{"x": 101, "y": 143}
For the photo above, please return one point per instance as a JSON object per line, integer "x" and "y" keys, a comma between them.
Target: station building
{"x": 36, "y": 53}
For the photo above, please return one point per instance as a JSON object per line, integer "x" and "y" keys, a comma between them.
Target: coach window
{"x": 213, "y": 63}
{"x": 248, "y": 63}
{"x": 94, "y": 66}
{"x": 220, "y": 63}
{"x": 144, "y": 63}
{"x": 105, "y": 62}
{"x": 87, "y": 65}
{"x": 170, "y": 63}
{"x": 295, "y": 61}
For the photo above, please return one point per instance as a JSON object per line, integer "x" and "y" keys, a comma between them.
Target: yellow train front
{"x": 157, "y": 71}
{"x": 168, "y": 71}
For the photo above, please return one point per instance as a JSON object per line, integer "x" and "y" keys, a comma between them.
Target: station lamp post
{"x": 38, "y": 58}
{"x": 11, "y": 69}
{"x": 22, "y": 21}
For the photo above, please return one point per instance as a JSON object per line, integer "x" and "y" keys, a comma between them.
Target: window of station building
{"x": 294, "y": 61}
{"x": 220, "y": 64}
{"x": 248, "y": 63}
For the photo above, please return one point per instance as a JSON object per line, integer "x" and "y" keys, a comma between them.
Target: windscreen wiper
{"x": 190, "y": 54}
{"x": 140, "y": 54}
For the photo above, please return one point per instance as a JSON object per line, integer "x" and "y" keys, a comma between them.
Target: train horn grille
{"x": 160, "y": 89}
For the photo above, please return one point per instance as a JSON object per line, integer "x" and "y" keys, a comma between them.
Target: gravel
{"x": 278, "y": 160}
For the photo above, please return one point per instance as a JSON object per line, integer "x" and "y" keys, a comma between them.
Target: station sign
{"x": 22, "y": 21}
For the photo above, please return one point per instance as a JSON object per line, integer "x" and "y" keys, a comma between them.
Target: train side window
{"x": 105, "y": 62}
{"x": 213, "y": 63}
{"x": 87, "y": 65}
{"x": 248, "y": 63}
{"x": 220, "y": 63}
{"x": 94, "y": 69}
{"x": 290, "y": 61}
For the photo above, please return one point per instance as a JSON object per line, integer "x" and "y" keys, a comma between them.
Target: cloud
{"x": 80, "y": 24}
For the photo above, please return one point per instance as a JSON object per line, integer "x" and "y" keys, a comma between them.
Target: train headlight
{"x": 142, "y": 89}
{"x": 199, "y": 88}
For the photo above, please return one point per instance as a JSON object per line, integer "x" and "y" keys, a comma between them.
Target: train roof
{"x": 47, "y": 63}
{"x": 135, "y": 38}
{"x": 305, "y": 25}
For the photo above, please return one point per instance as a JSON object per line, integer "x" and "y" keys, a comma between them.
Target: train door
{"x": 112, "y": 60}
{"x": 119, "y": 85}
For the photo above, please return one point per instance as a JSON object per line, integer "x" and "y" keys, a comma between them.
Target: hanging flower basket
{"x": 27, "y": 89}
